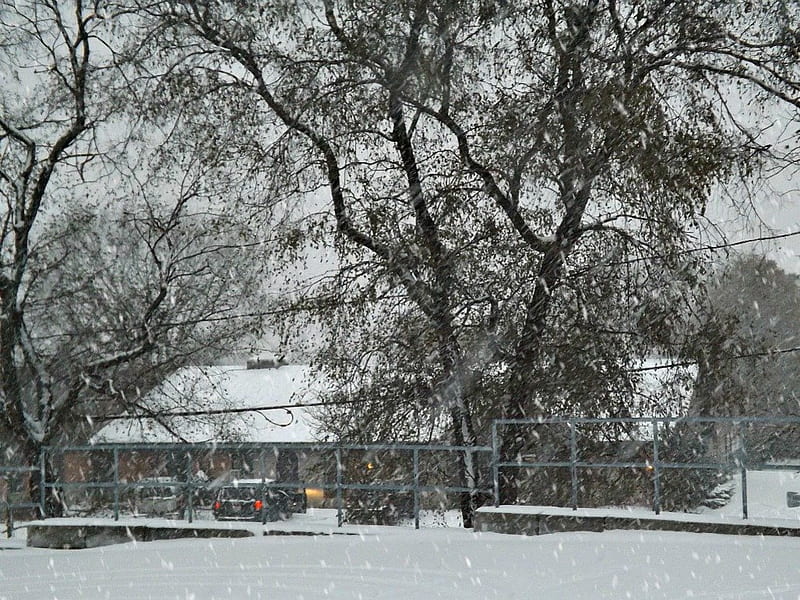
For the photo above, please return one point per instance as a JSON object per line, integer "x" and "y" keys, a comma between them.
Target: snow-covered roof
{"x": 225, "y": 387}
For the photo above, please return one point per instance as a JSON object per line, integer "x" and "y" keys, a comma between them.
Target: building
{"x": 228, "y": 411}
{"x": 273, "y": 390}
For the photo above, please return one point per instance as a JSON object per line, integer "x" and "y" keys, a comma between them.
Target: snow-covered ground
{"x": 406, "y": 564}
{"x": 766, "y": 495}
{"x": 434, "y": 562}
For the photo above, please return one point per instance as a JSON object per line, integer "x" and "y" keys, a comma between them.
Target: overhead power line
{"x": 228, "y": 411}
{"x": 722, "y": 246}
{"x": 678, "y": 364}
{"x": 766, "y": 238}
{"x": 283, "y": 310}
{"x": 289, "y": 407}
{"x": 690, "y": 363}
{"x": 686, "y": 251}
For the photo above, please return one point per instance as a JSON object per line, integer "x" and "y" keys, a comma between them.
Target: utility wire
{"x": 713, "y": 247}
{"x": 229, "y": 411}
{"x": 679, "y": 364}
{"x": 282, "y": 311}
{"x": 686, "y": 251}
{"x": 689, "y": 363}
{"x": 288, "y": 407}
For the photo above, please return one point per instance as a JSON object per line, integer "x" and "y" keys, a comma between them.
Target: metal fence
{"x": 358, "y": 480}
{"x": 656, "y": 446}
{"x": 652, "y": 456}
{"x": 16, "y": 500}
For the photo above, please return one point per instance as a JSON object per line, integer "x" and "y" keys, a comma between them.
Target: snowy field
{"x": 766, "y": 495}
{"x": 406, "y": 564}
{"x": 434, "y": 562}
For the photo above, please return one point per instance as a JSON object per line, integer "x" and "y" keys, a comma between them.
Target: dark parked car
{"x": 251, "y": 501}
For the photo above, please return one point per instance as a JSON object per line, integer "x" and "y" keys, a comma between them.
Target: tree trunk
{"x": 31, "y": 456}
{"x": 462, "y": 428}
{"x": 514, "y": 439}
{"x": 528, "y": 358}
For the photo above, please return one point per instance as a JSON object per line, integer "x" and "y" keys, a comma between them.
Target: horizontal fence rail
{"x": 648, "y": 432}
{"x": 408, "y": 473}
{"x": 334, "y": 474}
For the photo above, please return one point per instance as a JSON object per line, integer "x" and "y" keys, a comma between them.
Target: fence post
{"x": 744, "y": 492}
{"x": 189, "y": 489}
{"x": 495, "y": 465}
{"x": 9, "y": 521}
{"x": 263, "y": 512}
{"x": 743, "y": 469}
{"x": 264, "y": 481}
{"x": 416, "y": 488}
{"x": 339, "y": 518}
{"x": 43, "y": 483}
{"x": 9, "y": 516}
{"x": 573, "y": 459}
{"x": 656, "y": 471}
{"x": 116, "y": 483}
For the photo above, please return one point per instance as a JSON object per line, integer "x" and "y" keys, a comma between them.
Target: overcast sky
{"x": 776, "y": 200}
{"x": 778, "y": 212}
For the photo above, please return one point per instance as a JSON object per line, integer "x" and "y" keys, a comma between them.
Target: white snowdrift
{"x": 407, "y": 564}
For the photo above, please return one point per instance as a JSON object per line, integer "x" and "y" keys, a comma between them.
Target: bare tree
{"x": 387, "y": 221}
{"x": 616, "y": 119}
{"x": 117, "y": 263}
{"x": 40, "y": 135}
{"x": 568, "y": 141}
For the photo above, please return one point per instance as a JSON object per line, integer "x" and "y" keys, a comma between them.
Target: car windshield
{"x": 239, "y": 493}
